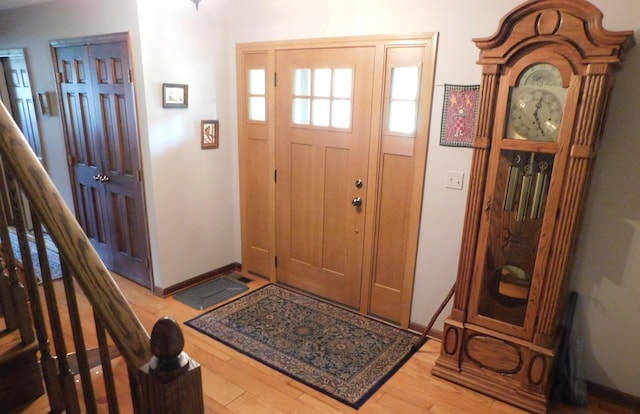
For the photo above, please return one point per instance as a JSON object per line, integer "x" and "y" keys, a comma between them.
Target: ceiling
{"x": 13, "y": 4}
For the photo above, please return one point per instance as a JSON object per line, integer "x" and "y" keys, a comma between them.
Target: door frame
{"x": 260, "y": 257}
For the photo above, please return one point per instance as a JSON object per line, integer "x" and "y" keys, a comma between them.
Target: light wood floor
{"x": 234, "y": 383}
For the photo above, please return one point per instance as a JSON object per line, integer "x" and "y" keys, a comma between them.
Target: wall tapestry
{"x": 459, "y": 115}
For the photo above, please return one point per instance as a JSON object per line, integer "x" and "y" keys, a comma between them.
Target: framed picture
{"x": 209, "y": 132}
{"x": 175, "y": 95}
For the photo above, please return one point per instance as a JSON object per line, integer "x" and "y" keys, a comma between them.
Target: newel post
{"x": 170, "y": 382}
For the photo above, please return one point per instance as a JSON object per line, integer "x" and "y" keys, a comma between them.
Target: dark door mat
{"x": 239, "y": 278}
{"x": 208, "y": 294}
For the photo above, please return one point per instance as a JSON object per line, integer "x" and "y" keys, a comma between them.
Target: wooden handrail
{"x": 108, "y": 303}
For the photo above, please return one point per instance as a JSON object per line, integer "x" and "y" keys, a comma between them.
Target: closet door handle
{"x": 102, "y": 178}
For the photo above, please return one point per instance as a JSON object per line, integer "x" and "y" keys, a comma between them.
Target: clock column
{"x": 588, "y": 130}
{"x": 479, "y": 162}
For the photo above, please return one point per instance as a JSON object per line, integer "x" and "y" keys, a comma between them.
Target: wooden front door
{"x": 323, "y": 114}
{"x": 98, "y": 105}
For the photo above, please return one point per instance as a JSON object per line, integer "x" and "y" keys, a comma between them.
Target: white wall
{"x": 607, "y": 259}
{"x": 607, "y": 264}
{"x": 192, "y": 194}
{"x": 194, "y": 216}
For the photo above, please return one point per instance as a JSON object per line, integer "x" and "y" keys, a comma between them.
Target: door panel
{"x": 120, "y": 159}
{"x": 17, "y": 96}
{"x": 101, "y": 126}
{"x": 21, "y": 96}
{"x": 83, "y": 146}
{"x": 320, "y": 233}
{"x": 401, "y": 180}
{"x": 91, "y": 212}
{"x": 256, "y": 152}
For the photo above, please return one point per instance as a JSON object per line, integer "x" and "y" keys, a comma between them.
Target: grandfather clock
{"x": 546, "y": 77}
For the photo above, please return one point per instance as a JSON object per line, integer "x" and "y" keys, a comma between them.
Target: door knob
{"x": 102, "y": 178}
{"x": 358, "y": 183}
{"x": 357, "y": 202}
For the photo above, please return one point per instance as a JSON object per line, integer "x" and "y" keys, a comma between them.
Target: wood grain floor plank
{"x": 234, "y": 383}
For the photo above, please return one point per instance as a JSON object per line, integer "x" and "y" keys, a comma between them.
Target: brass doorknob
{"x": 357, "y": 202}
{"x": 102, "y": 178}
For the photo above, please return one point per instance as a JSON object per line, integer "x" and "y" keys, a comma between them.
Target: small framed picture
{"x": 209, "y": 132}
{"x": 175, "y": 95}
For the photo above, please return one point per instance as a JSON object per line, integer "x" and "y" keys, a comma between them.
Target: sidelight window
{"x": 257, "y": 95}
{"x": 403, "y": 105}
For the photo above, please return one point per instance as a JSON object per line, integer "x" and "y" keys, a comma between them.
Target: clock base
{"x": 506, "y": 368}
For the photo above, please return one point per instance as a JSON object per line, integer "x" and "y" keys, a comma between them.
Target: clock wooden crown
{"x": 547, "y": 74}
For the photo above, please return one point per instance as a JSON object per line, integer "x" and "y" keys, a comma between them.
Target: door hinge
{"x": 58, "y": 77}
{"x": 275, "y": 261}
{"x": 147, "y": 263}
{"x": 130, "y": 77}
{"x": 275, "y": 176}
{"x": 275, "y": 79}
{"x": 139, "y": 175}
{"x": 70, "y": 160}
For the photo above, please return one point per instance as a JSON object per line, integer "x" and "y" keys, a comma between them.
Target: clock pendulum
{"x": 539, "y": 190}
{"x": 512, "y": 183}
{"x": 525, "y": 190}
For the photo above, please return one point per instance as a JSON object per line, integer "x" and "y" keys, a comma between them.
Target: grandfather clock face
{"x": 536, "y": 104}
{"x": 535, "y": 109}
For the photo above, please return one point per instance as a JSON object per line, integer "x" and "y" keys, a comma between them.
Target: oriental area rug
{"x": 338, "y": 352}
{"x": 52, "y": 254}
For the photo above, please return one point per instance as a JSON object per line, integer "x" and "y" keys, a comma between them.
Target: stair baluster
{"x": 153, "y": 380}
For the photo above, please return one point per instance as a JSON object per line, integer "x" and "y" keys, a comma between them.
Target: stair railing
{"x": 156, "y": 365}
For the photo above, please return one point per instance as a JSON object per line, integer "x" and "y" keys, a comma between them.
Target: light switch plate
{"x": 455, "y": 179}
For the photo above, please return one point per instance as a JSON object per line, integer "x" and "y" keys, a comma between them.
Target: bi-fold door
{"x": 98, "y": 105}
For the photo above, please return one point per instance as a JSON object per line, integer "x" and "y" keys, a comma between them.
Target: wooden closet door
{"x": 116, "y": 129}
{"x": 83, "y": 146}
{"x": 102, "y": 135}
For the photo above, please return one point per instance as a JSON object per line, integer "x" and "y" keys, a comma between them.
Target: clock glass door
{"x": 514, "y": 234}
{"x": 509, "y": 256}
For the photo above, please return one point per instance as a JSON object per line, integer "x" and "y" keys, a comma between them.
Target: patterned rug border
{"x": 354, "y": 404}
